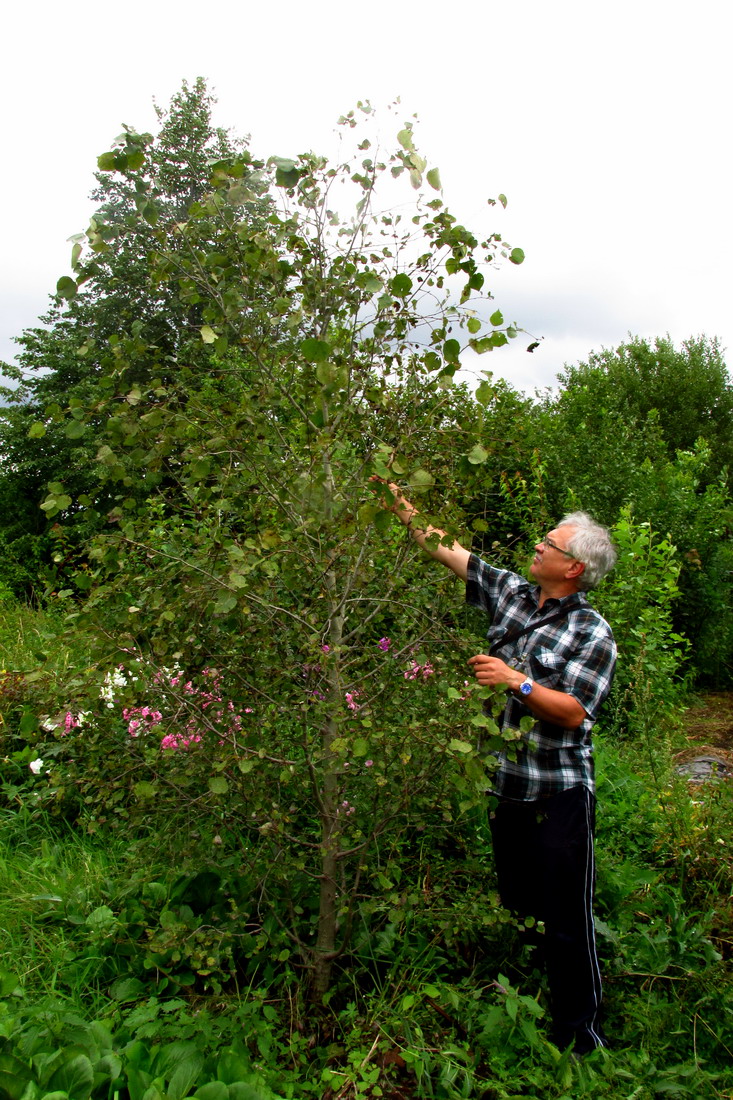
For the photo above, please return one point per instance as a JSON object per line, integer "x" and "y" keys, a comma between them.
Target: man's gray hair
{"x": 592, "y": 545}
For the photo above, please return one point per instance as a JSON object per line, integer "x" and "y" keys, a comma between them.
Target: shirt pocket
{"x": 547, "y": 667}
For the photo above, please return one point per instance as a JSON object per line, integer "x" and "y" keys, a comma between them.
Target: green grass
{"x": 38, "y": 640}
{"x": 52, "y": 878}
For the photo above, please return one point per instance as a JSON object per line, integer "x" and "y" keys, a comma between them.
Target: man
{"x": 557, "y": 656}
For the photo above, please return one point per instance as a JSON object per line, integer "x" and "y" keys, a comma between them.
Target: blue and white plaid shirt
{"x": 575, "y": 654}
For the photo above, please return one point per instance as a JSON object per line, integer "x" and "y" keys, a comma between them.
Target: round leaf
{"x": 477, "y": 455}
{"x": 315, "y": 351}
{"x": 421, "y": 480}
{"x": 75, "y": 429}
{"x": 451, "y": 350}
{"x": 401, "y": 285}
{"x": 66, "y": 287}
{"x": 433, "y": 178}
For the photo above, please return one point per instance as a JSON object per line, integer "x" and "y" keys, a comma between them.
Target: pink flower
{"x": 351, "y": 696}
{"x": 368, "y": 763}
{"x": 172, "y": 741}
{"x": 416, "y": 670}
{"x": 384, "y": 644}
{"x": 70, "y": 723}
{"x": 325, "y": 649}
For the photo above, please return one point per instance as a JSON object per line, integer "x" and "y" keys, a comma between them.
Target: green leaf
{"x": 214, "y": 1090}
{"x": 405, "y": 139}
{"x": 315, "y": 351}
{"x": 106, "y": 162}
{"x": 75, "y": 1077}
{"x": 516, "y": 256}
{"x": 150, "y": 213}
{"x": 371, "y": 283}
{"x": 231, "y": 1067}
{"x": 8, "y": 982}
{"x": 101, "y": 919}
{"x": 37, "y": 430}
{"x": 207, "y": 334}
{"x": 242, "y": 1090}
{"x": 66, "y": 287}
{"x": 496, "y": 318}
{"x": 451, "y": 350}
{"x": 75, "y": 429}
{"x": 433, "y": 178}
{"x": 218, "y": 784}
{"x": 484, "y": 393}
{"x": 225, "y": 603}
{"x": 421, "y": 480}
{"x": 473, "y": 325}
{"x": 287, "y": 172}
{"x": 455, "y": 745}
{"x": 326, "y": 373}
{"x": 367, "y": 513}
{"x": 477, "y": 455}
{"x": 143, "y": 789}
{"x": 201, "y": 468}
{"x": 127, "y": 990}
{"x": 14, "y": 1076}
{"x": 401, "y": 285}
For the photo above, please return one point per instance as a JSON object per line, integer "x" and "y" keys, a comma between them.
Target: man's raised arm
{"x": 455, "y": 556}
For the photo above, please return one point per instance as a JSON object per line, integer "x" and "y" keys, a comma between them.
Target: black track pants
{"x": 544, "y": 862}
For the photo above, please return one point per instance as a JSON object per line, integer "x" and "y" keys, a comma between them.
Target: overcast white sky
{"x": 607, "y": 125}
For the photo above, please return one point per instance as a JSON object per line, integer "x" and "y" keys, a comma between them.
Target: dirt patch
{"x": 710, "y": 719}
{"x": 709, "y": 725}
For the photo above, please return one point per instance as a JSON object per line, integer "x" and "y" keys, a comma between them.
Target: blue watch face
{"x": 526, "y": 687}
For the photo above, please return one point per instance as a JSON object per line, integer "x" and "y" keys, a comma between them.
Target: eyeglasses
{"x": 547, "y": 541}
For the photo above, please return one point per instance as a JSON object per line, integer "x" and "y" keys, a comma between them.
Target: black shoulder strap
{"x": 512, "y": 635}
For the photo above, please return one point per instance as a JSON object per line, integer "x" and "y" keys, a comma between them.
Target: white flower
{"x": 36, "y": 765}
{"x": 114, "y": 679}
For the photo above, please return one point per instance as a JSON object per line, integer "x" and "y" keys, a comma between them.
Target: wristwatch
{"x": 525, "y": 688}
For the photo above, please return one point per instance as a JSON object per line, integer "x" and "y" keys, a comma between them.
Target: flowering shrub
{"x": 229, "y": 779}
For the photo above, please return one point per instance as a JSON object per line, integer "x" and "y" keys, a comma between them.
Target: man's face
{"x": 552, "y": 560}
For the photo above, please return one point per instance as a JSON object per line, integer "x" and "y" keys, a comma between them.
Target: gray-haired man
{"x": 557, "y": 656}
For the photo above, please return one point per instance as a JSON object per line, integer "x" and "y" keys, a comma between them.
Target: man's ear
{"x": 575, "y": 571}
